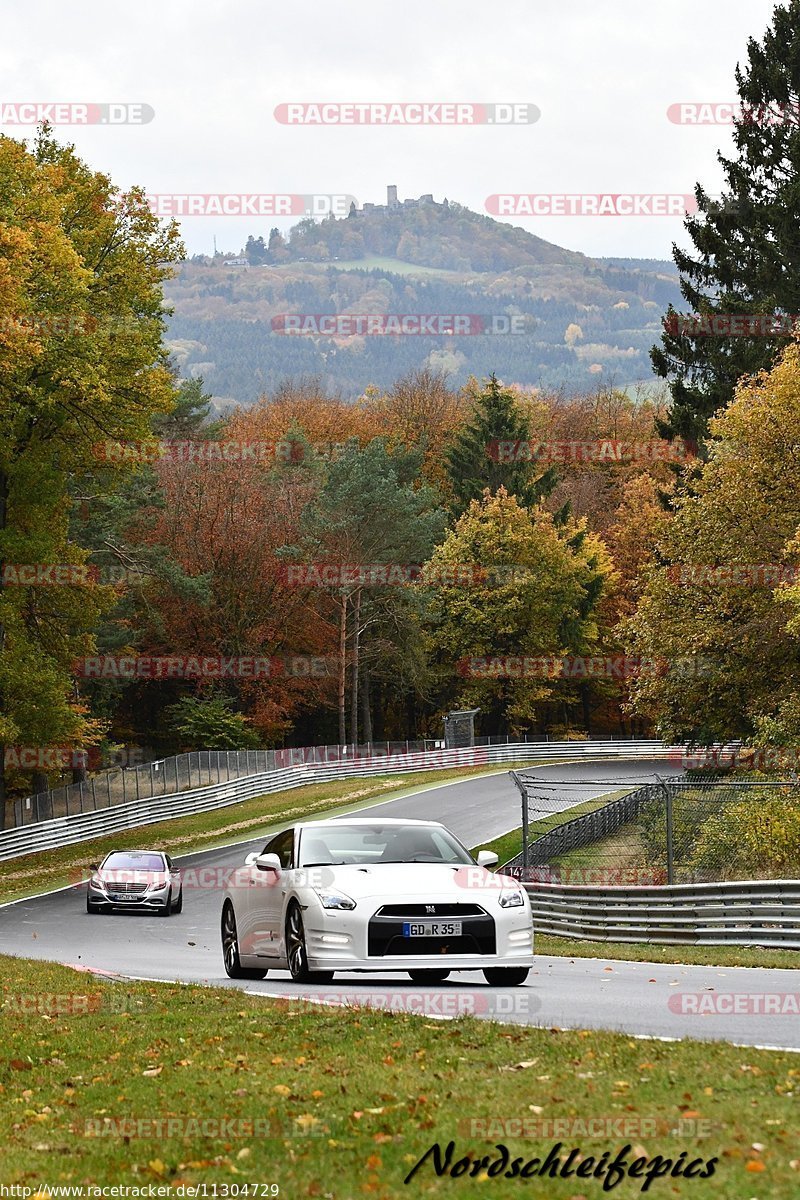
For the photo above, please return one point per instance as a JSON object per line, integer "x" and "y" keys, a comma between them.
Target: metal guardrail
{"x": 126, "y": 782}
{"x": 80, "y": 827}
{"x": 751, "y": 913}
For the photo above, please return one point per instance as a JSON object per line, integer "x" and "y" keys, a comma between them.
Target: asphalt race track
{"x": 638, "y": 998}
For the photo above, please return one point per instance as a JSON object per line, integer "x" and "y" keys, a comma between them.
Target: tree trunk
{"x": 342, "y": 667}
{"x": 354, "y": 686}
{"x": 366, "y": 712}
{"x": 587, "y": 711}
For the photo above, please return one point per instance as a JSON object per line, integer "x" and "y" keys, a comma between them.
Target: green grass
{"x": 350, "y": 1100}
{"x": 383, "y": 263}
{"x": 35, "y": 873}
{"x": 715, "y": 956}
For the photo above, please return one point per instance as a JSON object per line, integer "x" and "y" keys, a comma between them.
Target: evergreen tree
{"x": 746, "y": 255}
{"x": 474, "y": 461}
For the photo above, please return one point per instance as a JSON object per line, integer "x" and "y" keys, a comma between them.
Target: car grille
{"x": 127, "y": 889}
{"x": 385, "y": 935}
{"x": 406, "y": 911}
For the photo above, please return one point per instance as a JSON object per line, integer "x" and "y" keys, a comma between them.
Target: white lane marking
{"x": 639, "y": 1037}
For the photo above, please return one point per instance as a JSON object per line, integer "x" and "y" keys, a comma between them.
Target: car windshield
{"x": 131, "y": 861}
{"x": 363, "y": 845}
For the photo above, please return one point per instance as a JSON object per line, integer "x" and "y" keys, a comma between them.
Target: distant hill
{"x": 576, "y": 320}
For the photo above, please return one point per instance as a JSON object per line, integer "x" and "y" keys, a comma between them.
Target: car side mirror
{"x": 94, "y": 867}
{"x": 250, "y": 860}
{"x": 269, "y": 862}
{"x": 487, "y": 858}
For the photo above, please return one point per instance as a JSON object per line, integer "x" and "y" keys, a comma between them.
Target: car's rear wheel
{"x": 230, "y": 948}
{"x": 167, "y": 909}
{"x": 296, "y": 954}
{"x": 506, "y": 976}
{"x": 429, "y": 976}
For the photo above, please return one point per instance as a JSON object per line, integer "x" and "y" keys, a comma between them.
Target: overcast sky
{"x": 602, "y": 74}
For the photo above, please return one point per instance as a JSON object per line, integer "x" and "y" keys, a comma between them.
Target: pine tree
{"x": 474, "y": 461}
{"x": 747, "y": 243}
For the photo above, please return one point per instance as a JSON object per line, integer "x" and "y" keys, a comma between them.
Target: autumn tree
{"x": 475, "y": 458}
{"x": 746, "y": 251}
{"x": 421, "y": 411}
{"x": 81, "y": 361}
{"x": 372, "y": 509}
{"x": 539, "y": 598}
{"x": 715, "y": 619}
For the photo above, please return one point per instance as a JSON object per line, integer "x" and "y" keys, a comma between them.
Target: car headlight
{"x": 511, "y": 899}
{"x": 97, "y": 883}
{"x": 335, "y": 900}
{"x": 158, "y": 887}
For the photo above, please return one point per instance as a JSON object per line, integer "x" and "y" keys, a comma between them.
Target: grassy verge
{"x": 508, "y": 845}
{"x": 36, "y": 873}
{"x": 715, "y": 956}
{"x": 349, "y": 1100}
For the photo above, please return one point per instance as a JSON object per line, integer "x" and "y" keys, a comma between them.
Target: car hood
{"x": 120, "y": 876}
{"x": 413, "y": 881}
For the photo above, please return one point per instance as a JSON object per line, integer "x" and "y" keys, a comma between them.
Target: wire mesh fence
{"x": 182, "y": 772}
{"x": 686, "y": 830}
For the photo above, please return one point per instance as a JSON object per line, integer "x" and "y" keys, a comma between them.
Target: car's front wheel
{"x": 230, "y": 948}
{"x": 167, "y": 909}
{"x": 179, "y": 906}
{"x": 429, "y": 976}
{"x": 296, "y": 955}
{"x": 505, "y": 976}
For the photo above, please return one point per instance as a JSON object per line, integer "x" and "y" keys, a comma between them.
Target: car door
{"x": 270, "y": 893}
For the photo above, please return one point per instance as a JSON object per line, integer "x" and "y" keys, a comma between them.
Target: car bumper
{"x": 447, "y": 962}
{"x": 343, "y": 949}
{"x": 151, "y": 903}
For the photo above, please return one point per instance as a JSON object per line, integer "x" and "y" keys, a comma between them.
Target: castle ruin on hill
{"x": 394, "y": 205}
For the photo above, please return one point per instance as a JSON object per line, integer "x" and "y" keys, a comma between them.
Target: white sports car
{"x": 365, "y": 894}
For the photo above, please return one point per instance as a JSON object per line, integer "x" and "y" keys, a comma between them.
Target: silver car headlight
{"x": 158, "y": 887}
{"x": 335, "y": 900}
{"x": 97, "y": 883}
{"x": 511, "y": 899}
